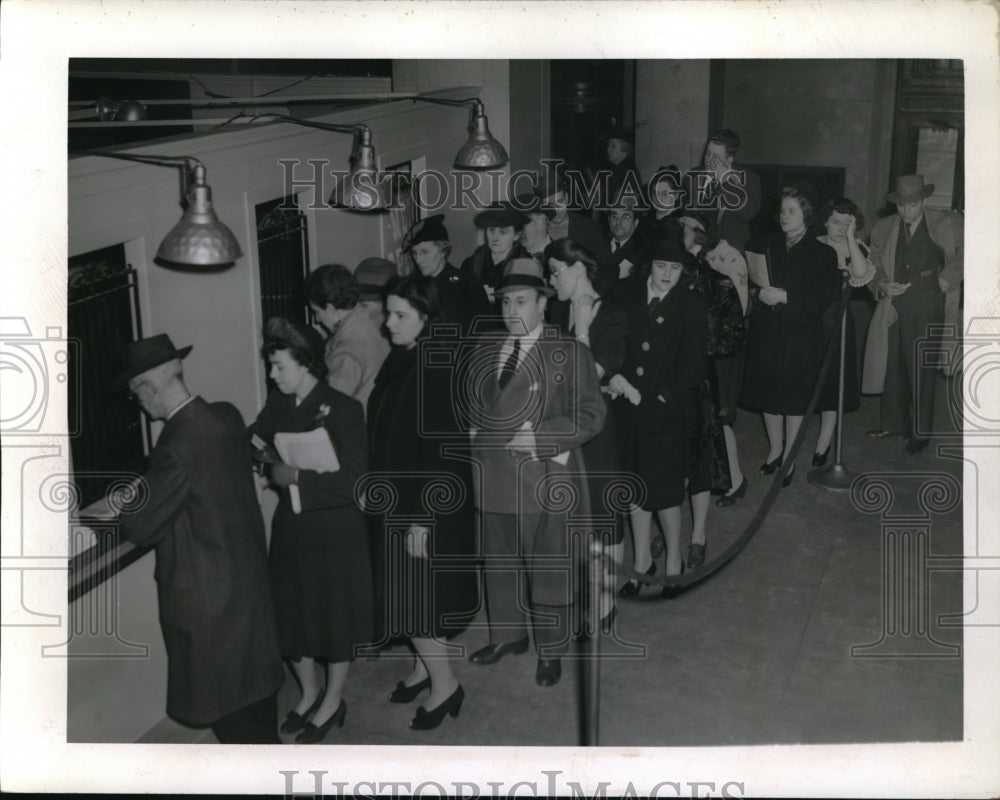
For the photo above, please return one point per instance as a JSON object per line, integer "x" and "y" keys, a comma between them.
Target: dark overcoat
{"x": 320, "y": 567}
{"x": 786, "y": 343}
{"x": 665, "y": 358}
{"x": 412, "y": 428}
{"x": 204, "y": 519}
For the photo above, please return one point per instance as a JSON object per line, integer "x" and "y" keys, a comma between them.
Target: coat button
{"x": 639, "y": 371}
{"x": 645, "y": 346}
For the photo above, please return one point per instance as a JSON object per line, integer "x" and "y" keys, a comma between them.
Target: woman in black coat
{"x": 785, "y": 347}
{"x": 501, "y": 224}
{"x": 665, "y": 358}
{"x": 600, "y": 325}
{"x": 427, "y": 530}
{"x": 461, "y": 297}
{"x": 842, "y": 220}
{"x": 320, "y": 568}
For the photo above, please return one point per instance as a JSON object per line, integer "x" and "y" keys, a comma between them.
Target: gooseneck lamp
{"x": 361, "y": 189}
{"x": 481, "y": 150}
{"x": 200, "y": 241}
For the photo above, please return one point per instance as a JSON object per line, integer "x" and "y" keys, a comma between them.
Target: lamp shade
{"x": 361, "y": 189}
{"x": 200, "y": 240}
{"x": 481, "y": 150}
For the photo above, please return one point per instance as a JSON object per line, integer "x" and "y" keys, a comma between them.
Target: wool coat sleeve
{"x": 691, "y": 365}
{"x": 167, "y": 485}
{"x": 581, "y": 416}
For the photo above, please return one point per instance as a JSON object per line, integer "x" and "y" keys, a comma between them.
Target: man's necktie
{"x": 907, "y": 233}
{"x": 614, "y": 245}
{"x": 653, "y": 304}
{"x": 510, "y": 365}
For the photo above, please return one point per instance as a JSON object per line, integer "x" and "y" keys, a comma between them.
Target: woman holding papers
{"x": 420, "y": 500}
{"x": 320, "y": 569}
{"x": 785, "y": 347}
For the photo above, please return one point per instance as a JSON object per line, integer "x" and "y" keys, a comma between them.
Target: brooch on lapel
{"x": 323, "y": 413}
{"x": 453, "y": 279}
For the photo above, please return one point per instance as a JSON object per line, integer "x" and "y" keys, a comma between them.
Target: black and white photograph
{"x": 546, "y": 399}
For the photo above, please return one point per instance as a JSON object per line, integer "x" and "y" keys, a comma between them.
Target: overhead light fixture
{"x": 362, "y": 189}
{"x": 481, "y": 150}
{"x": 110, "y": 110}
{"x": 200, "y": 241}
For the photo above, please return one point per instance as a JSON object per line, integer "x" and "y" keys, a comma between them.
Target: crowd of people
{"x": 600, "y": 357}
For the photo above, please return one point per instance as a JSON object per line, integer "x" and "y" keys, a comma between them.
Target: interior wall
{"x": 833, "y": 113}
{"x": 530, "y": 113}
{"x": 672, "y": 108}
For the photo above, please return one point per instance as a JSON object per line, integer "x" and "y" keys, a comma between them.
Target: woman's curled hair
{"x": 302, "y": 342}
{"x": 569, "y": 251}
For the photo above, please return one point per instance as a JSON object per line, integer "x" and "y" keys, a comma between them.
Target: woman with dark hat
{"x": 461, "y": 298}
{"x": 501, "y": 224}
{"x": 785, "y": 346}
{"x": 320, "y": 570}
{"x": 665, "y": 358}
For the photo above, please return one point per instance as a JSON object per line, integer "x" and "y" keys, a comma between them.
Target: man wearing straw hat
{"x": 918, "y": 255}
{"x": 202, "y": 515}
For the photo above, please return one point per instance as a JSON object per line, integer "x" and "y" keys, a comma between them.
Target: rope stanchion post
{"x": 836, "y": 476}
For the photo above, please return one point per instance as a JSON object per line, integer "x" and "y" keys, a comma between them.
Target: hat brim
{"x": 121, "y": 382}
{"x": 926, "y": 192}
{"x": 517, "y": 286}
{"x": 500, "y": 219}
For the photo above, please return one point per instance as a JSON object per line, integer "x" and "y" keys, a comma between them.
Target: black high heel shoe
{"x": 731, "y": 498}
{"x": 407, "y": 694}
{"x": 787, "y": 481}
{"x": 633, "y": 586}
{"x": 316, "y": 733}
{"x": 819, "y": 459}
{"x": 768, "y": 467}
{"x": 426, "y": 720}
{"x": 670, "y": 592}
{"x": 295, "y": 722}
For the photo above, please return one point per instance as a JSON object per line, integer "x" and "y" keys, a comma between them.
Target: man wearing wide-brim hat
{"x": 534, "y": 400}
{"x": 918, "y": 257}
{"x": 202, "y": 515}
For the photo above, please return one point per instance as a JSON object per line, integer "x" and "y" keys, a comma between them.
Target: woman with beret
{"x": 599, "y": 325}
{"x": 666, "y": 199}
{"x": 320, "y": 569}
{"x": 665, "y": 358}
{"x": 842, "y": 220}
{"x": 461, "y": 298}
{"x": 785, "y": 347}
{"x": 429, "y": 597}
{"x": 501, "y": 224}
{"x": 535, "y": 235}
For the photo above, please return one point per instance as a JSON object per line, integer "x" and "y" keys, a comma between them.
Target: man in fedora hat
{"x": 536, "y": 400}
{"x": 202, "y": 515}
{"x": 917, "y": 254}
{"x": 356, "y": 347}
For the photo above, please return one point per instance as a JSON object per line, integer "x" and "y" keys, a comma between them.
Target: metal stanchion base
{"x": 835, "y": 477}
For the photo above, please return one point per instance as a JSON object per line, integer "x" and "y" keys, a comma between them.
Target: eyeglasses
{"x": 554, "y": 272}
